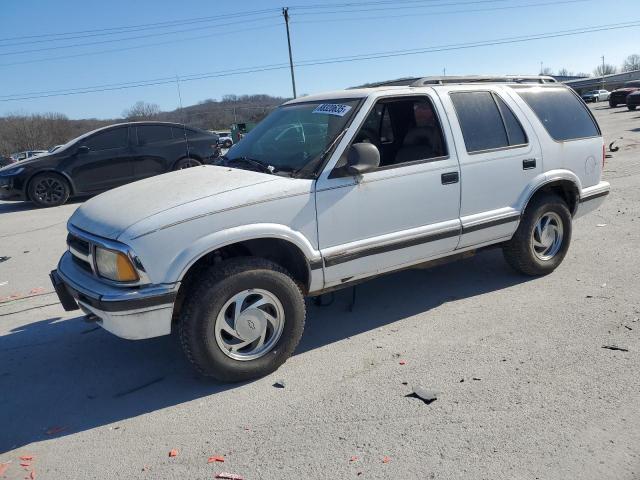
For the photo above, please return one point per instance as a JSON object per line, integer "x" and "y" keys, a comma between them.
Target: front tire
{"x": 542, "y": 238}
{"x": 243, "y": 319}
{"x": 48, "y": 190}
{"x": 187, "y": 163}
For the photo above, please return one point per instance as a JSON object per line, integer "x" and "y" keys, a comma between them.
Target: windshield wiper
{"x": 261, "y": 166}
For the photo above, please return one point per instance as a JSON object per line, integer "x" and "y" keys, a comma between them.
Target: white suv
{"x": 327, "y": 191}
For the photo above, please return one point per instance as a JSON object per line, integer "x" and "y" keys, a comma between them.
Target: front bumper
{"x": 591, "y": 198}
{"x": 131, "y": 313}
{"x": 8, "y": 191}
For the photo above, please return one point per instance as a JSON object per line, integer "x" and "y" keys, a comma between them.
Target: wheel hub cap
{"x": 548, "y": 233}
{"x": 249, "y": 324}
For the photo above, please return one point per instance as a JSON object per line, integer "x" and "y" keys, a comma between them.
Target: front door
{"x": 107, "y": 162}
{"x": 404, "y": 212}
{"x": 156, "y": 148}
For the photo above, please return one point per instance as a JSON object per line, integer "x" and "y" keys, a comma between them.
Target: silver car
{"x": 596, "y": 96}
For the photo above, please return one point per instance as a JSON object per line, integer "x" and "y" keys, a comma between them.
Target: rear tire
{"x": 187, "y": 163}
{"x": 243, "y": 319}
{"x": 613, "y": 104}
{"x": 542, "y": 238}
{"x": 631, "y": 107}
{"x": 48, "y": 190}
{"x": 227, "y": 144}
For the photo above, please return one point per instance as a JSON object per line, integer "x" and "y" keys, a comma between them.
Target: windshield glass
{"x": 295, "y": 135}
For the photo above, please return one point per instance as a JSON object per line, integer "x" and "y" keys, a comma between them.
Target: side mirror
{"x": 82, "y": 150}
{"x": 362, "y": 158}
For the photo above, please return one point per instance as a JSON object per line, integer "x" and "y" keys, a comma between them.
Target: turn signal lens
{"x": 115, "y": 266}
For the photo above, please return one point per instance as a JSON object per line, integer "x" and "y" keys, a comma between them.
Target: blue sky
{"x": 256, "y": 40}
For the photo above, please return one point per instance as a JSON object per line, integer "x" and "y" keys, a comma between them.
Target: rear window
{"x": 563, "y": 115}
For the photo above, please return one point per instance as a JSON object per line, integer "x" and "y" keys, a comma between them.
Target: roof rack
{"x": 446, "y": 80}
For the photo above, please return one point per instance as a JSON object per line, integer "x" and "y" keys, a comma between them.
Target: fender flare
{"x": 547, "y": 178}
{"x": 181, "y": 264}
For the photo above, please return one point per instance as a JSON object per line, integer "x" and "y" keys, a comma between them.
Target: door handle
{"x": 528, "y": 163}
{"x": 450, "y": 177}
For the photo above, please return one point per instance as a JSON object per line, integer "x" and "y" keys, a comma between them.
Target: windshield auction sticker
{"x": 332, "y": 109}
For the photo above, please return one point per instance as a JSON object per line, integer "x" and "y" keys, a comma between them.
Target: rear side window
{"x": 115, "y": 138}
{"x": 153, "y": 134}
{"x": 487, "y": 122}
{"x": 563, "y": 115}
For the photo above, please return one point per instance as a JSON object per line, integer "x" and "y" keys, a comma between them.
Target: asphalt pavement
{"x": 525, "y": 388}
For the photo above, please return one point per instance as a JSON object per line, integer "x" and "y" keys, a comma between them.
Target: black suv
{"x": 106, "y": 158}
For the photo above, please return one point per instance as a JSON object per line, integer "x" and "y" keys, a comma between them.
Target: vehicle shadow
{"x": 61, "y": 377}
{"x": 23, "y": 206}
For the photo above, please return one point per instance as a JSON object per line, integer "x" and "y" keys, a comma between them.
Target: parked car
{"x": 225, "y": 139}
{"x": 619, "y": 96}
{"x": 20, "y": 156}
{"x": 106, "y": 158}
{"x": 633, "y": 100}
{"x": 596, "y": 96}
{"x": 4, "y": 161}
{"x": 401, "y": 176}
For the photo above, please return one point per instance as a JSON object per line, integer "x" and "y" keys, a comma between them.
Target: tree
{"x": 606, "y": 69}
{"x": 546, "y": 71}
{"x": 563, "y": 72}
{"x": 142, "y": 111}
{"x": 631, "y": 63}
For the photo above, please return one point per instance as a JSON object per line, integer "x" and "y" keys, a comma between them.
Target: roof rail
{"x": 446, "y": 80}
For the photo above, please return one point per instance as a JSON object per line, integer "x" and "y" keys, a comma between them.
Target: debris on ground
{"x": 402, "y": 362}
{"x": 405, "y": 383}
{"x": 173, "y": 453}
{"x": 615, "y": 347}
{"x": 230, "y": 476}
{"x": 27, "y": 458}
{"x": 25, "y": 464}
{"x": 2, "y": 284}
{"x": 386, "y": 459}
{"x": 601, "y": 225}
{"x": 628, "y": 327}
{"x": 427, "y": 395}
{"x": 279, "y": 384}
{"x": 476, "y": 379}
{"x": 55, "y": 430}
{"x": 32, "y": 475}
{"x": 461, "y": 380}
{"x": 353, "y": 459}
{"x": 216, "y": 458}
{"x": 4, "y": 259}
{"x": 612, "y": 148}
{"x": 3, "y": 468}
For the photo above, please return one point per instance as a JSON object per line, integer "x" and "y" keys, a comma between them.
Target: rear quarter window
{"x": 563, "y": 115}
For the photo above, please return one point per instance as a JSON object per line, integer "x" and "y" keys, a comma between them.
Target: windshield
{"x": 295, "y": 136}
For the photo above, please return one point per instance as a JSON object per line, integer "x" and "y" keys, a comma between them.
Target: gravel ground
{"x": 525, "y": 388}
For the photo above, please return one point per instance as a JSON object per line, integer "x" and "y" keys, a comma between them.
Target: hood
{"x": 27, "y": 162}
{"x": 626, "y": 89}
{"x": 108, "y": 215}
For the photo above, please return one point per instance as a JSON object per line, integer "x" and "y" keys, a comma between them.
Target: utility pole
{"x": 603, "y": 72}
{"x": 444, "y": 72}
{"x": 541, "y": 68}
{"x": 285, "y": 13}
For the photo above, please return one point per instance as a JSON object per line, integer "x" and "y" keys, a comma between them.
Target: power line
{"x": 378, "y": 2}
{"x": 165, "y": 24}
{"x": 135, "y": 47}
{"x": 351, "y": 58}
{"x": 137, "y": 37}
{"x": 405, "y": 7}
{"x": 341, "y": 18}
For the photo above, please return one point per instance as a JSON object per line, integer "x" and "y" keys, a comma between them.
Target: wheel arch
{"x": 278, "y": 243}
{"x": 64, "y": 175}
{"x": 565, "y": 184}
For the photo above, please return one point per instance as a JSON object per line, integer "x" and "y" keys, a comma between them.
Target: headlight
{"x": 115, "y": 266}
{"x": 11, "y": 171}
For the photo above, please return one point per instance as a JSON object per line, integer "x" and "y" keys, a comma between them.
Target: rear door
{"x": 499, "y": 156}
{"x": 156, "y": 149}
{"x": 106, "y": 164}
